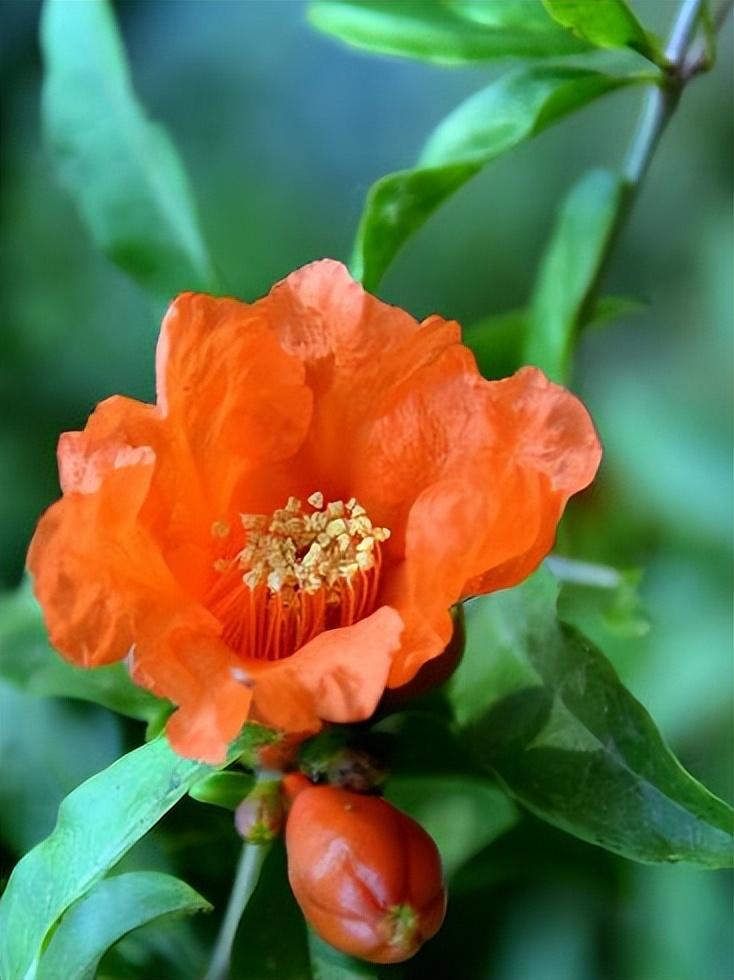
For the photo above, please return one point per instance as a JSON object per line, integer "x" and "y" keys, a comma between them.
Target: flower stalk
{"x": 249, "y": 867}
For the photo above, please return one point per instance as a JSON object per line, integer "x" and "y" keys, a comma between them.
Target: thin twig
{"x": 657, "y": 110}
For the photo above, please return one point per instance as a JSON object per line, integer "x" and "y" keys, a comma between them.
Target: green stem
{"x": 657, "y": 110}
{"x": 245, "y": 882}
{"x": 662, "y": 100}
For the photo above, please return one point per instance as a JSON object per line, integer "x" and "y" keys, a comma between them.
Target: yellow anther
{"x": 294, "y": 550}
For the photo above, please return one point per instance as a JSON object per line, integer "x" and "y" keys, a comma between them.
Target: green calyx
{"x": 403, "y": 927}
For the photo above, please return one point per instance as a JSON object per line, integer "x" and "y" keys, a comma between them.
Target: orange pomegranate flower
{"x": 282, "y": 535}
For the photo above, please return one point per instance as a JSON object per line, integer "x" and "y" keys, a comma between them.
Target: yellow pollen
{"x": 300, "y": 551}
{"x": 304, "y": 569}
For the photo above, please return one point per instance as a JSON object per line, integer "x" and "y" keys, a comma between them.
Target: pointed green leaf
{"x": 225, "y": 789}
{"x": 607, "y": 24}
{"x": 122, "y": 169}
{"x": 98, "y": 822}
{"x": 544, "y": 709}
{"x": 446, "y": 33}
{"x": 610, "y": 308}
{"x": 111, "y": 910}
{"x": 28, "y": 662}
{"x": 493, "y": 121}
{"x": 498, "y": 341}
{"x": 569, "y": 270}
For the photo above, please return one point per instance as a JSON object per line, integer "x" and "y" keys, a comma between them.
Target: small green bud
{"x": 259, "y": 817}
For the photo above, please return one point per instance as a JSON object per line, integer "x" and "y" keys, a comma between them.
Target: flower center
{"x": 300, "y": 572}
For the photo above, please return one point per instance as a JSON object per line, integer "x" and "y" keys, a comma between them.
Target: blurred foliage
{"x": 281, "y": 141}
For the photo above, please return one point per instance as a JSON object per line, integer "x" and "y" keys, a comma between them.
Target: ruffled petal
{"x": 234, "y": 399}
{"x": 94, "y": 564}
{"x": 339, "y": 676}
{"x": 493, "y": 465}
{"x": 195, "y": 670}
{"x": 354, "y": 348}
{"x": 548, "y": 437}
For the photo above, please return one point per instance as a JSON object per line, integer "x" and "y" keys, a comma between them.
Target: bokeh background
{"x": 283, "y": 131}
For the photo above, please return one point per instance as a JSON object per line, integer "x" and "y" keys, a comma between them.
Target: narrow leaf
{"x": 451, "y": 33}
{"x": 498, "y": 341}
{"x": 98, "y": 822}
{"x": 607, "y": 24}
{"x": 569, "y": 270}
{"x": 493, "y": 121}
{"x": 28, "y": 662}
{"x": 610, "y": 308}
{"x": 545, "y": 710}
{"x": 225, "y": 789}
{"x": 121, "y": 168}
{"x": 112, "y": 909}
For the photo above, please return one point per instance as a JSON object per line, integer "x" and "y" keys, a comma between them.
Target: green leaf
{"x": 121, "y": 168}
{"x": 610, "y": 308}
{"x": 28, "y": 662}
{"x": 607, "y": 24}
{"x": 225, "y": 789}
{"x": 595, "y": 596}
{"x": 47, "y": 747}
{"x": 461, "y": 813}
{"x": 569, "y": 270}
{"x": 544, "y": 709}
{"x": 493, "y": 121}
{"x": 445, "y": 33}
{"x": 498, "y": 341}
{"x": 97, "y": 823}
{"x": 328, "y": 963}
{"x": 111, "y": 910}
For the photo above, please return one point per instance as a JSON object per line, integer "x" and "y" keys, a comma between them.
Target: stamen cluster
{"x": 295, "y": 550}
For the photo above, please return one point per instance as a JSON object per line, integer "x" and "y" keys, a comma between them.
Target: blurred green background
{"x": 283, "y": 131}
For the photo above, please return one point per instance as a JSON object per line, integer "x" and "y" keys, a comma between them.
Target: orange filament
{"x": 298, "y": 575}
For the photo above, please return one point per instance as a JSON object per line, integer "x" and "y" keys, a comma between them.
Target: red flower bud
{"x": 367, "y": 877}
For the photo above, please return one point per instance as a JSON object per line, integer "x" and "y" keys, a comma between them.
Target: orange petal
{"x": 230, "y": 393}
{"x": 493, "y": 472}
{"x": 549, "y": 436}
{"x": 339, "y": 676}
{"x": 428, "y": 426}
{"x": 354, "y": 348}
{"x": 93, "y": 562}
{"x": 199, "y": 673}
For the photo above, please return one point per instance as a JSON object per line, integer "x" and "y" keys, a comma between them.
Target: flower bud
{"x": 259, "y": 817}
{"x": 366, "y": 876}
